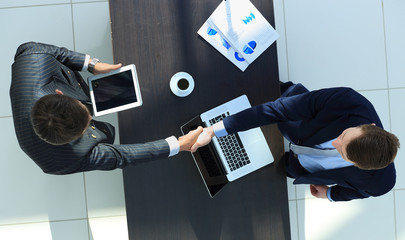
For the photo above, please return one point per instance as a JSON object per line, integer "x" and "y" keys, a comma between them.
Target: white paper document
{"x": 238, "y": 31}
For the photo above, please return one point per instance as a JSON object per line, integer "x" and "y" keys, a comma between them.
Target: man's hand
{"x": 319, "y": 191}
{"x": 204, "y": 138}
{"x": 188, "y": 140}
{"x": 105, "y": 67}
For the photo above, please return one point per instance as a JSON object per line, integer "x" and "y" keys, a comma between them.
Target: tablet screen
{"x": 114, "y": 90}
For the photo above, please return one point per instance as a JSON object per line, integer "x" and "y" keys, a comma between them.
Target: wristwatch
{"x": 91, "y": 65}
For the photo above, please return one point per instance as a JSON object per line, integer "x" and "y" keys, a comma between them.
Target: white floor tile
{"x": 400, "y": 210}
{"x": 380, "y": 101}
{"x": 293, "y": 220}
{"x": 68, "y": 230}
{"x": 281, "y": 42}
{"x": 29, "y": 195}
{"x": 303, "y": 191}
{"x": 24, "y": 3}
{"x": 291, "y": 189}
{"x": 109, "y": 228}
{"x": 48, "y": 24}
{"x": 94, "y": 40}
{"x": 395, "y": 40}
{"x": 397, "y": 99}
{"x": 336, "y": 43}
{"x": 371, "y": 219}
{"x": 105, "y": 193}
{"x": 64, "y": 230}
{"x": 105, "y": 189}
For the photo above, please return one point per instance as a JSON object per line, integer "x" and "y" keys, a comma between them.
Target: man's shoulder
{"x": 382, "y": 181}
{"x": 341, "y": 90}
{"x": 28, "y": 48}
{"x": 345, "y": 95}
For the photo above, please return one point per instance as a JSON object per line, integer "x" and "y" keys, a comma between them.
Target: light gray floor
{"x": 358, "y": 44}
{"x": 35, "y": 205}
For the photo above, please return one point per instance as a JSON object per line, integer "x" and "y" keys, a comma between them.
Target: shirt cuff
{"x": 219, "y": 129}
{"x": 173, "y": 145}
{"x": 86, "y": 63}
{"x": 328, "y": 194}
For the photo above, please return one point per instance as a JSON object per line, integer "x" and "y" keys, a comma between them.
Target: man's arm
{"x": 108, "y": 156}
{"x": 305, "y": 106}
{"x": 71, "y": 59}
{"x": 320, "y": 104}
{"x": 319, "y": 191}
{"x": 339, "y": 193}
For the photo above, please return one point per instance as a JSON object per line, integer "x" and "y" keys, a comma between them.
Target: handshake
{"x": 196, "y": 138}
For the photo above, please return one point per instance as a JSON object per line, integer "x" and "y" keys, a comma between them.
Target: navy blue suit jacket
{"x": 40, "y": 69}
{"x": 310, "y": 118}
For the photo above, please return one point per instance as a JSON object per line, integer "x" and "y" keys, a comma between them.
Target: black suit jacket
{"x": 40, "y": 69}
{"x": 311, "y": 118}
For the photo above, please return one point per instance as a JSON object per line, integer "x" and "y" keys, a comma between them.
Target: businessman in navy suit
{"x": 335, "y": 119}
{"x": 52, "y": 120}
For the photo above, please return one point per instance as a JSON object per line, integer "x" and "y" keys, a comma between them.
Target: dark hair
{"x": 375, "y": 148}
{"x": 59, "y": 119}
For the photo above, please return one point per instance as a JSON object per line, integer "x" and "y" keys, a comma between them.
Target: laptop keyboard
{"x": 232, "y": 147}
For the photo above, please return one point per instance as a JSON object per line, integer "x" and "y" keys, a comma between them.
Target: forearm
{"x": 308, "y": 106}
{"x": 71, "y": 59}
{"x": 339, "y": 193}
{"x": 108, "y": 156}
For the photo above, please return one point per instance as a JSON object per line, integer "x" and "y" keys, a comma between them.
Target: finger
{"x": 194, "y": 147}
{"x": 312, "y": 189}
{"x": 116, "y": 66}
{"x": 198, "y": 130}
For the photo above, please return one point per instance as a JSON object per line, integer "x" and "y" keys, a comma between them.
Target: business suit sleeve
{"x": 71, "y": 59}
{"x": 305, "y": 106}
{"x": 339, "y": 193}
{"x": 108, "y": 156}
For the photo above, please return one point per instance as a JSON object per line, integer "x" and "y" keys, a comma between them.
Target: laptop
{"x": 115, "y": 91}
{"x": 230, "y": 157}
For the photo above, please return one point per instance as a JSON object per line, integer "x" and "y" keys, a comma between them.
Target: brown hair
{"x": 375, "y": 148}
{"x": 59, "y": 119}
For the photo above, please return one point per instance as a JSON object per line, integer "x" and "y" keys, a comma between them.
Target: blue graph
{"x": 248, "y": 48}
{"x": 249, "y": 18}
{"x": 239, "y": 58}
{"x": 211, "y": 31}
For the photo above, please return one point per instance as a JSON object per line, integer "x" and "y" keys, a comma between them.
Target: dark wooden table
{"x": 166, "y": 199}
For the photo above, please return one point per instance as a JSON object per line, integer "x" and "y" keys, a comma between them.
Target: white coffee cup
{"x": 181, "y": 84}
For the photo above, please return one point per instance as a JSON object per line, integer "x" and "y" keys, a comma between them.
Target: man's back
{"x": 41, "y": 69}
{"x": 37, "y": 72}
{"x": 312, "y": 118}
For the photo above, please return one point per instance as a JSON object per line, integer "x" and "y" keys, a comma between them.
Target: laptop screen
{"x": 207, "y": 161}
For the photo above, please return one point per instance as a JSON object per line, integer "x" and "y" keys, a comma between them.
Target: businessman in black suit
{"x": 53, "y": 124}
{"x": 335, "y": 120}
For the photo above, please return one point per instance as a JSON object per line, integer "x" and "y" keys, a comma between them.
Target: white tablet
{"x": 115, "y": 91}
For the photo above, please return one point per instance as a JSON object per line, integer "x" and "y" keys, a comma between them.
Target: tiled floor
{"x": 35, "y": 205}
{"x": 359, "y": 44}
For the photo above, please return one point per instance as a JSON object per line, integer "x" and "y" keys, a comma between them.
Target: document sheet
{"x": 238, "y": 31}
